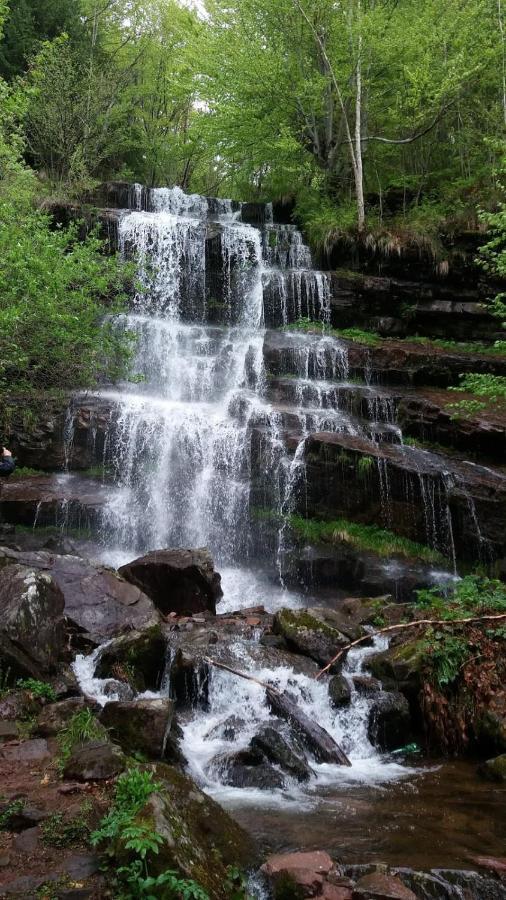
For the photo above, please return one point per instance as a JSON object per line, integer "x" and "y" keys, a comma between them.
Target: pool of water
{"x": 443, "y": 816}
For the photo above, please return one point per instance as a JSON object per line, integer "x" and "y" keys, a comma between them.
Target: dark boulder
{"x": 141, "y": 725}
{"x": 94, "y": 760}
{"x": 389, "y": 724}
{"x": 32, "y": 627}
{"x": 339, "y": 692}
{"x": 181, "y": 581}
{"x": 247, "y": 769}
{"x": 136, "y": 659}
{"x": 273, "y": 746}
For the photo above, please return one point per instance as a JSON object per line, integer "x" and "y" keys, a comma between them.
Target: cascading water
{"x": 199, "y": 439}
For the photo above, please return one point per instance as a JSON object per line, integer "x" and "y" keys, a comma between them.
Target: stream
{"x": 200, "y": 445}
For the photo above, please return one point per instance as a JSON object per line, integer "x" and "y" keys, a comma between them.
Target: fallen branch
{"x": 405, "y": 625}
{"x": 318, "y": 741}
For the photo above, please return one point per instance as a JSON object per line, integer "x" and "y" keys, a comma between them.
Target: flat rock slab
{"x": 316, "y": 861}
{"x": 35, "y": 750}
{"x": 381, "y": 887}
{"x": 41, "y": 498}
{"x": 96, "y": 599}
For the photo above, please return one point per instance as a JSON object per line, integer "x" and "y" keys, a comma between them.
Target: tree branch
{"x": 405, "y": 625}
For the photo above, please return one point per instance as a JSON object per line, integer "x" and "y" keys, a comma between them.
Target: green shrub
{"x": 55, "y": 292}
{"x": 38, "y": 688}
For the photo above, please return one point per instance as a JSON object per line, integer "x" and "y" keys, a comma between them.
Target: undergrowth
{"x": 464, "y": 664}
{"x": 122, "y": 827}
{"x": 83, "y": 726}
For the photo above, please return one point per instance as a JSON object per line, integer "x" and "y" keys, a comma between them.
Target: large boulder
{"x": 97, "y": 600}
{"x": 32, "y": 626}
{"x": 400, "y": 667}
{"x": 339, "y": 692}
{"x": 313, "y": 633}
{"x": 94, "y": 760}
{"x": 389, "y": 725}
{"x": 141, "y": 725}
{"x": 200, "y": 839}
{"x": 180, "y": 581}
{"x": 136, "y": 659}
{"x": 54, "y": 717}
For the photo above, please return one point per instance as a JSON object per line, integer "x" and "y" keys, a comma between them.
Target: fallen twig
{"x": 403, "y": 625}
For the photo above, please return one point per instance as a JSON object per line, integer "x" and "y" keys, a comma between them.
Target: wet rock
{"x": 339, "y": 692}
{"x": 494, "y": 769}
{"x": 97, "y": 600}
{"x": 471, "y": 884}
{"x": 118, "y": 690}
{"x": 313, "y": 737}
{"x": 378, "y": 886}
{"x": 55, "y": 716}
{"x": 200, "y": 839}
{"x": 136, "y": 659}
{"x": 399, "y": 668}
{"x": 226, "y": 730}
{"x": 94, "y": 761}
{"x": 247, "y": 769}
{"x": 32, "y": 627}
{"x": 309, "y": 632}
{"x": 44, "y": 498}
{"x": 80, "y": 866}
{"x": 389, "y": 725}
{"x": 366, "y": 685}
{"x": 140, "y": 725}
{"x": 189, "y": 678}
{"x": 277, "y": 750}
{"x": 181, "y": 581}
{"x": 18, "y": 705}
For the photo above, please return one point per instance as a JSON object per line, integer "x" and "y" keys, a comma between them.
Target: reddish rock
{"x": 497, "y": 864}
{"x": 316, "y": 861}
{"x": 336, "y": 892}
{"x": 381, "y": 887}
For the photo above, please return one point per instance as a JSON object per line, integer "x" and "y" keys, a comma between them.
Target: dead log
{"x": 323, "y": 747}
{"x": 318, "y": 741}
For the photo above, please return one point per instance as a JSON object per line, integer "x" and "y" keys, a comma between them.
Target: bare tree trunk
{"x": 503, "y": 47}
{"x": 359, "y": 167}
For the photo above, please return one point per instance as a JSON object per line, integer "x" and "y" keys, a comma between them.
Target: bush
{"x": 55, "y": 292}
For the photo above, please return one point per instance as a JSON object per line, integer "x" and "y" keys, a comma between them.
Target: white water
{"x": 187, "y": 473}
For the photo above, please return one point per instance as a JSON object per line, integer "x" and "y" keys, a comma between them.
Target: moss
{"x": 495, "y": 769}
{"x": 291, "y": 623}
{"x": 363, "y": 537}
{"x": 286, "y": 888}
{"x": 137, "y": 659}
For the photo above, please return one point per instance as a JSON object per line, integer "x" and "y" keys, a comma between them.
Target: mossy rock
{"x": 137, "y": 659}
{"x": 201, "y": 840}
{"x": 309, "y": 633}
{"x": 494, "y": 769}
{"x": 400, "y": 667}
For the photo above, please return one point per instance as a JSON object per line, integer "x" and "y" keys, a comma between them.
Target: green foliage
{"x": 446, "y": 649}
{"x": 121, "y": 827}
{"x": 491, "y": 389}
{"x": 356, "y": 335}
{"x": 364, "y": 466}
{"x": 39, "y": 689}
{"x": 472, "y": 595}
{"x": 83, "y": 726}
{"x": 363, "y": 537}
{"x": 58, "y": 831}
{"x": 54, "y": 294}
